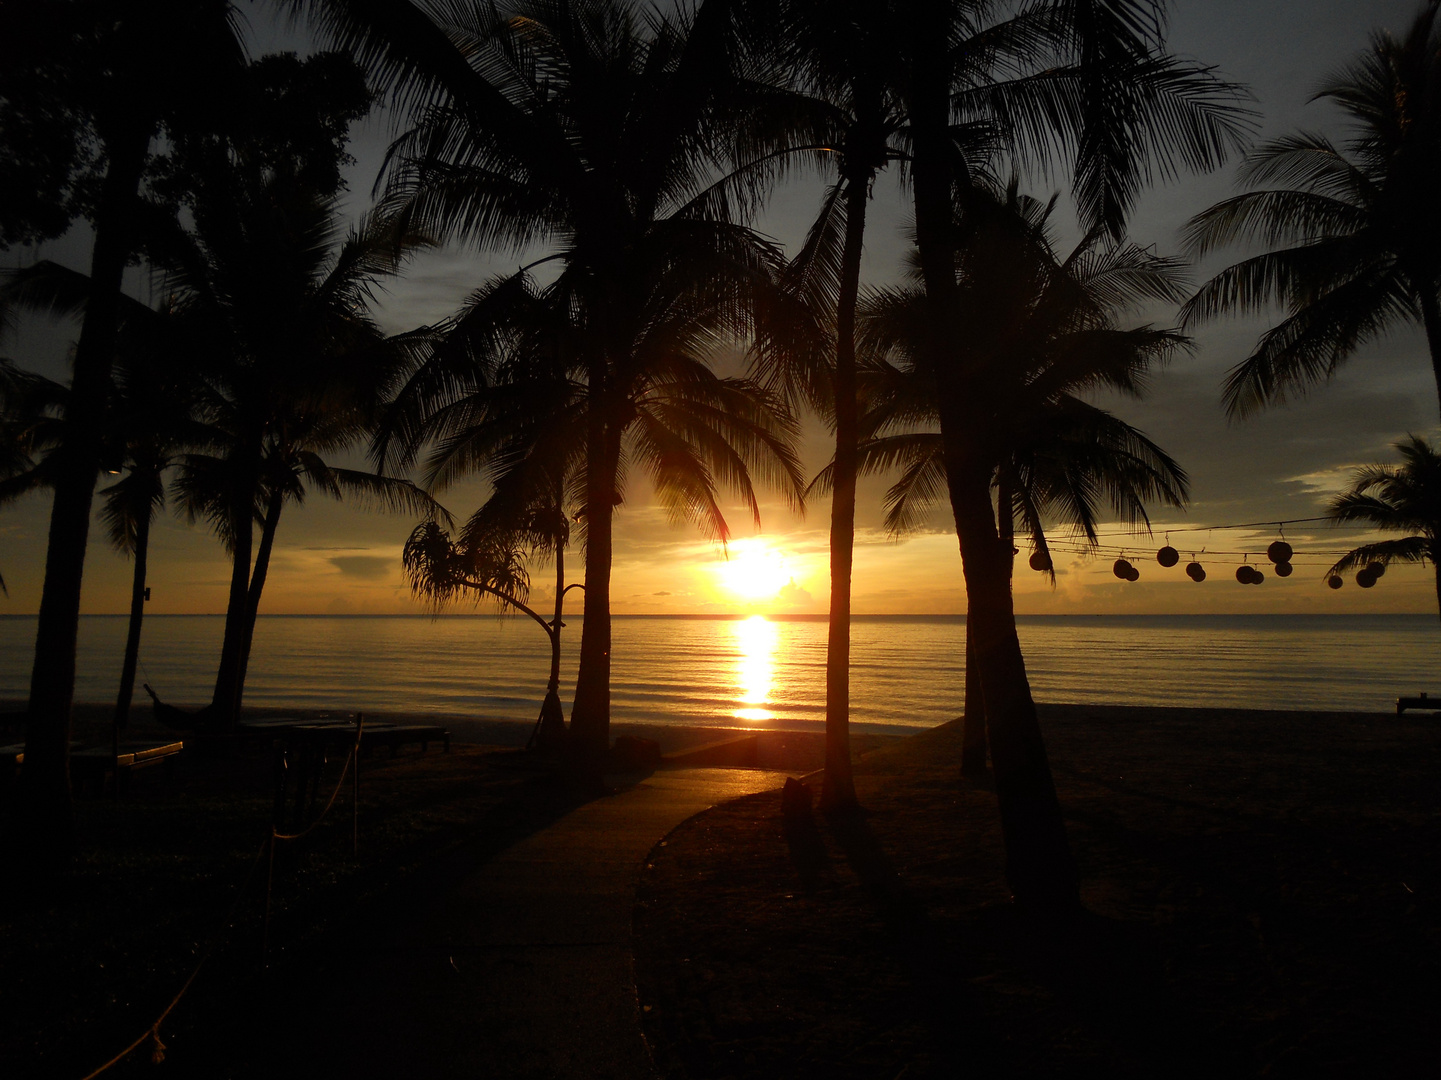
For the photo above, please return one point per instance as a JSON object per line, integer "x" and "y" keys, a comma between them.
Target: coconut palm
{"x": 605, "y": 136}
{"x": 143, "y": 66}
{"x": 30, "y": 421}
{"x": 1130, "y": 110}
{"x": 1353, "y": 231}
{"x": 1038, "y": 82}
{"x": 292, "y": 369}
{"x": 1055, "y": 457}
{"x": 1402, "y": 498}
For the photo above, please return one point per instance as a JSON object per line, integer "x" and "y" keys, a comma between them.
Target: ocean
{"x": 906, "y": 671}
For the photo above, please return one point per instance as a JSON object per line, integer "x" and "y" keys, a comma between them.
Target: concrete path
{"x": 526, "y": 968}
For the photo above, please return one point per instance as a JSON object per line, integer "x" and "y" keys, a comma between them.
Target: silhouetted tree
{"x": 1395, "y": 498}
{"x": 1054, "y": 456}
{"x": 610, "y": 136}
{"x": 1355, "y": 230}
{"x": 292, "y": 367}
{"x": 122, "y": 71}
{"x": 1125, "y": 108}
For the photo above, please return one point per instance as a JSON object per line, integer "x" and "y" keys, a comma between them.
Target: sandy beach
{"x": 1260, "y": 886}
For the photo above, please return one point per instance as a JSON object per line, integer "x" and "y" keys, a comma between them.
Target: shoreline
{"x": 91, "y": 721}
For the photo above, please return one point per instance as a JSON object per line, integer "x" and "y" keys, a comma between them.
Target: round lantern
{"x": 1168, "y": 556}
{"x": 1122, "y": 569}
{"x": 1365, "y": 578}
{"x": 1195, "y": 571}
{"x": 1133, "y": 574}
{"x": 1279, "y": 552}
{"x": 1376, "y": 569}
{"x": 1040, "y": 561}
{"x": 1243, "y": 574}
{"x": 1283, "y": 569}
{"x": 1334, "y": 581}
{"x": 1256, "y": 577}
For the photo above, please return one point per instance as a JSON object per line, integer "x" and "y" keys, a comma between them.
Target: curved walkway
{"x": 526, "y": 968}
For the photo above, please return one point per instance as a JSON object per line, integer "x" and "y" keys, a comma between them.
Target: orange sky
{"x": 1280, "y": 465}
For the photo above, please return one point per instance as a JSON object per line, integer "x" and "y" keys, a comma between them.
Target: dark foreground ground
{"x": 1262, "y": 891}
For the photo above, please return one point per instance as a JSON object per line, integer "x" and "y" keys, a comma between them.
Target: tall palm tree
{"x": 1354, "y": 231}
{"x": 1130, "y": 110}
{"x": 292, "y": 367}
{"x": 153, "y": 65}
{"x": 606, "y": 136}
{"x": 1027, "y": 81}
{"x": 1396, "y": 498}
{"x": 1055, "y": 456}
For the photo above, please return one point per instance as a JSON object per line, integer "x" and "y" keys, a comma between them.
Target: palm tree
{"x": 30, "y": 420}
{"x": 583, "y": 125}
{"x": 292, "y": 368}
{"x": 1026, "y": 80}
{"x": 1395, "y": 498}
{"x": 154, "y": 64}
{"x": 1354, "y": 231}
{"x": 1129, "y": 109}
{"x": 1055, "y": 455}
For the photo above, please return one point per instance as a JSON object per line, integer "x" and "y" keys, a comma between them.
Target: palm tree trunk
{"x": 227, "y": 678}
{"x": 46, "y": 824}
{"x": 137, "y": 616}
{"x": 1038, "y": 858}
{"x": 1039, "y": 866}
{"x": 973, "y": 729}
{"x": 257, "y": 586}
{"x": 1437, "y": 567}
{"x": 590, "y": 714}
{"x": 550, "y": 732}
{"x": 1431, "y": 318}
{"x": 839, "y": 789}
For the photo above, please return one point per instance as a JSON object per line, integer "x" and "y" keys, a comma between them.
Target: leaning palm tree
{"x": 1055, "y": 456}
{"x": 1131, "y": 110}
{"x": 1402, "y": 498}
{"x": 156, "y": 63}
{"x": 1353, "y": 231}
{"x": 274, "y": 306}
{"x": 1040, "y": 83}
{"x": 605, "y": 136}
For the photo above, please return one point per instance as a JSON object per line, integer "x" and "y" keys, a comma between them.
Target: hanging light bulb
{"x": 1168, "y": 556}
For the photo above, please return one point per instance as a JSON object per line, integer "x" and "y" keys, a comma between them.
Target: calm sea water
{"x": 907, "y": 671}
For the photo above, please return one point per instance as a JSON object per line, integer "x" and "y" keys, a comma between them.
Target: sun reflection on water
{"x": 755, "y": 667}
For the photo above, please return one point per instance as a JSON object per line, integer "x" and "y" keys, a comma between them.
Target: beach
{"x": 1260, "y": 889}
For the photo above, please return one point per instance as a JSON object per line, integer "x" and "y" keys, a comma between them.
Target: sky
{"x": 1282, "y": 464}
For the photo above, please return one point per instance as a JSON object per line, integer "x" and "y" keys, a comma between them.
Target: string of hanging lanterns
{"x": 1279, "y": 553}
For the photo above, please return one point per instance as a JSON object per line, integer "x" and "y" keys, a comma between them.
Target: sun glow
{"x": 755, "y": 667}
{"x": 754, "y": 570}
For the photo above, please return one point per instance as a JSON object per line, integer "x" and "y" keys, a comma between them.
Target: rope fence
{"x": 351, "y": 767}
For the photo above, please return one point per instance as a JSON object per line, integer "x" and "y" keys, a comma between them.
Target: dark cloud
{"x": 661, "y": 593}
{"x": 368, "y": 567}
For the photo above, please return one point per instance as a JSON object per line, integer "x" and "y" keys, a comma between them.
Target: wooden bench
{"x": 1422, "y": 702}
{"x": 92, "y": 764}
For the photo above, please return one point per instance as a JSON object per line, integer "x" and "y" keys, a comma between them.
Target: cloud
{"x": 661, "y": 593}
{"x": 792, "y": 593}
{"x": 369, "y": 567}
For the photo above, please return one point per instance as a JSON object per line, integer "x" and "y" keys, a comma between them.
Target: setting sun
{"x": 753, "y": 571}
